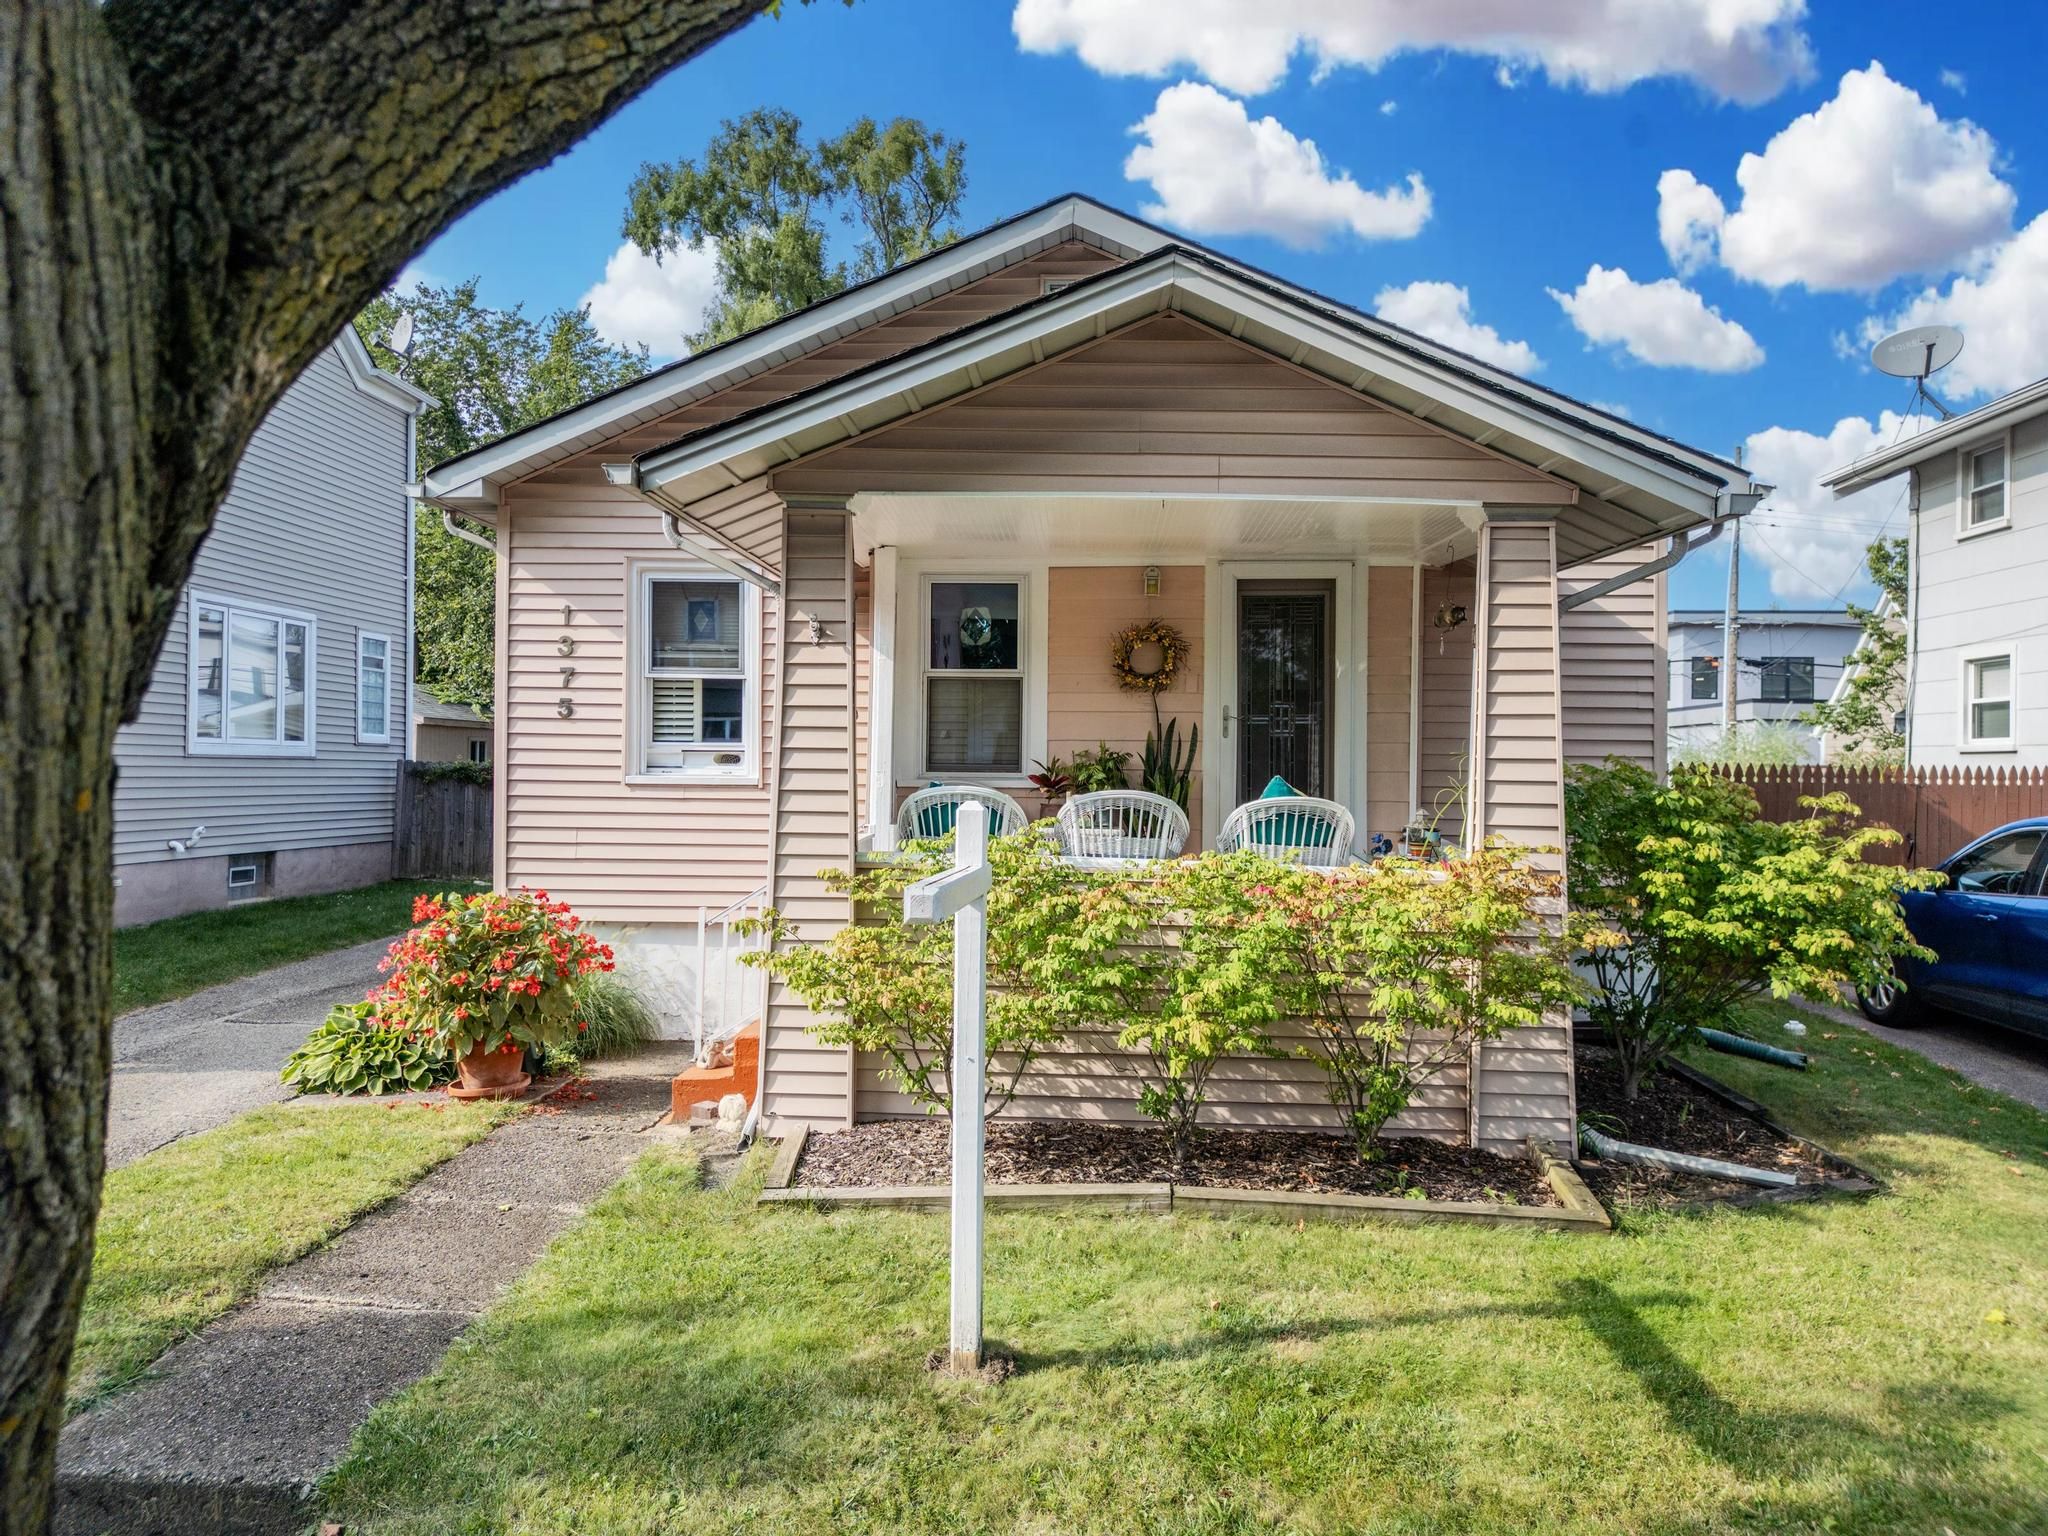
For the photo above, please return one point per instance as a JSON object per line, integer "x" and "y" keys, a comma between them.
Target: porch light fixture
{"x": 1450, "y": 616}
{"x": 1151, "y": 581}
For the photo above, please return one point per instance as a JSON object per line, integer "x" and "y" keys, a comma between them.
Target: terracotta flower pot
{"x": 490, "y": 1072}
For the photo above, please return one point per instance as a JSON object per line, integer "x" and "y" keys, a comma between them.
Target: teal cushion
{"x": 1278, "y": 788}
{"x": 1294, "y": 831}
{"x": 937, "y": 819}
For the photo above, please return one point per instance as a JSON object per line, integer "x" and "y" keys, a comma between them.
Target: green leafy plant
{"x": 1687, "y": 902}
{"x": 457, "y": 770}
{"x": 1751, "y": 744}
{"x": 1864, "y": 719}
{"x": 1391, "y": 970}
{"x": 1106, "y": 767}
{"x": 353, "y": 1051}
{"x": 880, "y": 984}
{"x": 616, "y": 1018}
{"x": 1054, "y": 778}
{"x": 1167, "y": 766}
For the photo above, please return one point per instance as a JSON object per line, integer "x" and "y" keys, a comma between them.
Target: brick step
{"x": 695, "y": 1085}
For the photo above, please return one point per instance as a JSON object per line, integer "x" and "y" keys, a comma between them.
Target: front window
{"x": 974, "y": 678}
{"x": 1998, "y": 865}
{"x": 373, "y": 688}
{"x": 1987, "y": 701}
{"x": 1987, "y": 486}
{"x": 1788, "y": 680}
{"x": 250, "y": 670}
{"x": 1706, "y": 679}
{"x": 699, "y": 662}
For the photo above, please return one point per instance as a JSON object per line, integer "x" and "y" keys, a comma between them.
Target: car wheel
{"x": 1889, "y": 1003}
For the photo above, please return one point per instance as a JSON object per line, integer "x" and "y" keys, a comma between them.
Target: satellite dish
{"x": 1917, "y": 352}
{"x": 401, "y": 334}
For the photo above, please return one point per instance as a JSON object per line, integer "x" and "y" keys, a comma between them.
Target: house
{"x": 447, "y": 733}
{"x": 1976, "y": 620}
{"x": 751, "y": 601}
{"x": 1786, "y": 658}
{"x": 264, "y": 759}
{"x": 1833, "y": 747}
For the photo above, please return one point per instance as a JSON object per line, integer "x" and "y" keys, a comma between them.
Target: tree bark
{"x": 195, "y": 196}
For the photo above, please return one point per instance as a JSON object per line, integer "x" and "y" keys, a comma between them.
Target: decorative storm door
{"x": 1283, "y": 686}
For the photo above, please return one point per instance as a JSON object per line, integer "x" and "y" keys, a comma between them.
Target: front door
{"x": 1285, "y": 661}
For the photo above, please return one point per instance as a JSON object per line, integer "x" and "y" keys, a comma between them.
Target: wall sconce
{"x": 1450, "y": 616}
{"x": 1151, "y": 581}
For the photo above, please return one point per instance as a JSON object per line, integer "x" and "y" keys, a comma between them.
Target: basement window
{"x": 248, "y": 876}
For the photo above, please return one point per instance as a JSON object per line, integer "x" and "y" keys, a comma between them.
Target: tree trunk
{"x": 194, "y": 198}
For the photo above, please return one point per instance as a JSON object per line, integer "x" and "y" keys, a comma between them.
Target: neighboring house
{"x": 751, "y": 601}
{"x": 264, "y": 759}
{"x": 1785, "y": 660}
{"x": 447, "y": 733}
{"x": 1977, "y": 593}
{"x": 1832, "y": 748}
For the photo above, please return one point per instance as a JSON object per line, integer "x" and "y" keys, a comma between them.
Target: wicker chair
{"x": 1316, "y": 832}
{"x": 1122, "y": 824}
{"x": 932, "y": 812}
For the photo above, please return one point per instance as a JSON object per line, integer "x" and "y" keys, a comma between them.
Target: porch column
{"x": 815, "y": 798}
{"x": 1523, "y": 1084}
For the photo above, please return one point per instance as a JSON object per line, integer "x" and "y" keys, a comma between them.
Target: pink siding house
{"x": 736, "y": 601}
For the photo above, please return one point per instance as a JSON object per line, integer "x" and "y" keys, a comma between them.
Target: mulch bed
{"x": 899, "y": 1152}
{"x": 1678, "y": 1116}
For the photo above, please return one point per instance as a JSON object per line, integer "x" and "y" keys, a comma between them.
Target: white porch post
{"x": 881, "y": 807}
{"x": 962, "y": 894}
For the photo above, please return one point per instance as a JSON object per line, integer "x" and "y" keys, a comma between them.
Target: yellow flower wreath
{"x": 1151, "y": 632}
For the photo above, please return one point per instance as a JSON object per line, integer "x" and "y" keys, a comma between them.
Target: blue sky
{"x": 1910, "y": 194}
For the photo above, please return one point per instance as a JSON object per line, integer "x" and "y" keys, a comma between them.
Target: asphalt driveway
{"x": 189, "y": 1065}
{"x": 2012, "y": 1063}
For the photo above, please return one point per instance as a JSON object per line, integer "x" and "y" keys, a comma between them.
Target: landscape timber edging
{"x": 1577, "y": 1211}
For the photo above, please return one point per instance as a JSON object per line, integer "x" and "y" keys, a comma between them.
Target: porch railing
{"x": 722, "y": 1012}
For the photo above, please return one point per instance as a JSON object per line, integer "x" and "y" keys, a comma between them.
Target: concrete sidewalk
{"x": 192, "y": 1064}
{"x": 237, "y": 1423}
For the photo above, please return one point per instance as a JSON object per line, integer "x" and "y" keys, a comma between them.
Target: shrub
{"x": 884, "y": 985}
{"x": 355, "y": 1052}
{"x": 615, "y": 1017}
{"x": 1393, "y": 970}
{"x": 499, "y": 967}
{"x": 1687, "y": 902}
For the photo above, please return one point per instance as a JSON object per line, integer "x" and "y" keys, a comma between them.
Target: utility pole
{"x": 1730, "y": 671}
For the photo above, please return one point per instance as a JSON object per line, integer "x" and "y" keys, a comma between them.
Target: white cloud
{"x": 1610, "y": 408}
{"x": 2001, "y": 307}
{"x": 1738, "y": 50}
{"x": 1389, "y": 108}
{"x": 1689, "y": 218}
{"x": 1812, "y": 543}
{"x": 1664, "y": 324}
{"x": 1443, "y": 312}
{"x": 1214, "y": 170}
{"x": 1872, "y": 185}
{"x": 642, "y": 300}
{"x": 1956, "y": 81}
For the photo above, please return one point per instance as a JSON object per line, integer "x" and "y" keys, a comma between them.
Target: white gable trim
{"x": 374, "y": 381}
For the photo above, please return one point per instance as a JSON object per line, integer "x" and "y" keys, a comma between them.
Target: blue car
{"x": 1988, "y": 928}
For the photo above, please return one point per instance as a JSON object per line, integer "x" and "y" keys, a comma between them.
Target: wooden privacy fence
{"x": 1938, "y": 809}
{"x": 443, "y": 828}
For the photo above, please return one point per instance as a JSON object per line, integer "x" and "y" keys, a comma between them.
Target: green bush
{"x": 614, "y": 1016}
{"x": 352, "y": 1053}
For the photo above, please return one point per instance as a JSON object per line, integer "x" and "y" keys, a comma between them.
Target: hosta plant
{"x": 498, "y": 968}
{"x": 354, "y": 1051}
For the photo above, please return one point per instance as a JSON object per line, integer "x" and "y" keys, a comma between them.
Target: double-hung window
{"x": 373, "y": 688}
{"x": 1986, "y": 484}
{"x": 699, "y": 667}
{"x": 973, "y": 652}
{"x": 1987, "y": 701}
{"x": 1706, "y": 679}
{"x": 250, "y": 686}
{"x": 1788, "y": 679}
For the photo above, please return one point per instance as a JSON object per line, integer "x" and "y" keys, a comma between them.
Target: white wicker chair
{"x": 931, "y": 812}
{"x": 1316, "y": 832}
{"x": 1122, "y": 824}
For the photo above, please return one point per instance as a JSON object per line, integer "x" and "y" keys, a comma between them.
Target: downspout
{"x": 448, "y": 521}
{"x": 411, "y": 583}
{"x": 1729, "y": 505}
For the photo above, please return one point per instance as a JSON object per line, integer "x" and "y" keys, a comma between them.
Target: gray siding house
{"x": 1977, "y": 602}
{"x": 264, "y": 759}
{"x": 1786, "y": 659}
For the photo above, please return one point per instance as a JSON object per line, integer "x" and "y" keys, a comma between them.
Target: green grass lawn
{"x": 687, "y": 1360}
{"x": 191, "y": 1229}
{"x": 156, "y": 962}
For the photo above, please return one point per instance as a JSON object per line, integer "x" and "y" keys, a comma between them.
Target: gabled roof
{"x": 2029, "y": 400}
{"x": 374, "y": 381}
{"x": 1635, "y": 484}
{"x": 1631, "y": 486}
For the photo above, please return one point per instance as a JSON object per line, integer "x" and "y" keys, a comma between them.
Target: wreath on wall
{"x": 1151, "y": 632}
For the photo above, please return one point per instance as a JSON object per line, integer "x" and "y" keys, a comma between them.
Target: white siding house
{"x": 1977, "y": 604}
{"x": 1786, "y": 659}
{"x": 264, "y": 758}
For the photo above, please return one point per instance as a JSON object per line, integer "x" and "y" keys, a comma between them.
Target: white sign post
{"x": 962, "y": 894}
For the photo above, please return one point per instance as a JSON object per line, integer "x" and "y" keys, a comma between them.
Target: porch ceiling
{"x": 1163, "y": 530}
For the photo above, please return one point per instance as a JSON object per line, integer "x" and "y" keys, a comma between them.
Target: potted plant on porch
{"x": 487, "y": 976}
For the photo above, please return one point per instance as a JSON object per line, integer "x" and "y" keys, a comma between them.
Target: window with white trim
{"x": 973, "y": 653}
{"x": 1987, "y": 487}
{"x": 373, "y": 688}
{"x": 699, "y": 675}
{"x": 250, "y": 684}
{"x": 1987, "y": 700}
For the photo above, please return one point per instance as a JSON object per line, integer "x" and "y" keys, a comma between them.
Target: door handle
{"x": 1226, "y": 722}
{"x": 1987, "y": 917}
